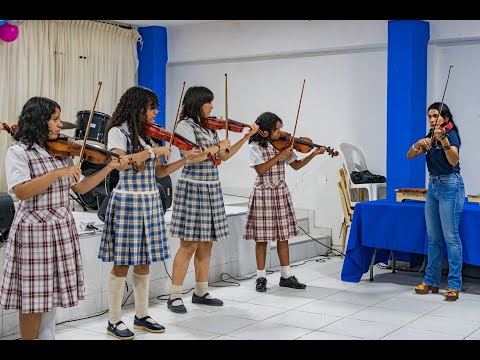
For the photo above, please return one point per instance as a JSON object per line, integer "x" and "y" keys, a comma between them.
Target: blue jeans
{"x": 443, "y": 207}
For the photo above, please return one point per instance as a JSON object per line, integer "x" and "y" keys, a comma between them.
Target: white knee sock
{"x": 261, "y": 273}
{"x": 47, "y": 325}
{"x": 140, "y": 291}
{"x": 115, "y": 297}
{"x": 176, "y": 292}
{"x": 201, "y": 288}
{"x": 285, "y": 271}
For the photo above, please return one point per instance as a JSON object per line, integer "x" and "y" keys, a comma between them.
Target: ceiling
{"x": 164, "y": 23}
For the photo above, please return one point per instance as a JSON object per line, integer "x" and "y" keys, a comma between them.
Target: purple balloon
{"x": 8, "y": 32}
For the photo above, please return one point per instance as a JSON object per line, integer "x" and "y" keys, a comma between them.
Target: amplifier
{"x": 7, "y": 212}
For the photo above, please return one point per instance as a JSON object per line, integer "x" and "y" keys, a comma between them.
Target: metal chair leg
{"x": 424, "y": 264}
{"x": 393, "y": 261}
{"x": 372, "y": 263}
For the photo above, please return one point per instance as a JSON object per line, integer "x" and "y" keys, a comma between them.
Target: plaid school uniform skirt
{"x": 134, "y": 231}
{"x": 198, "y": 212}
{"x": 270, "y": 215}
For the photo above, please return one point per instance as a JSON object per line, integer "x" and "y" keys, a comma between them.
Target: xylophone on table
{"x": 411, "y": 194}
{"x": 474, "y": 198}
{"x": 421, "y": 194}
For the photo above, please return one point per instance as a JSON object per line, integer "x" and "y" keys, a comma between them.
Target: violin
{"x": 11, "y": 130}
{"x": 158, "y": 133}
{"x": 213, "y": 123}
{"x": 446, "y": 127}
{"x": 66, "y": 146}
{"x": 302, "y": 144}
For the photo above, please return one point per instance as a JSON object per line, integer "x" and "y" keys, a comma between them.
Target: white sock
{"x": 201, "y": 288}
{"x": 140, "y": 291}
{"x": 115, "y": 296}
{"x": 285, "y": 271}
{"x": 176, "y": 292}
{"x": 261, "y": 273}
{"x": 47, "y": 325}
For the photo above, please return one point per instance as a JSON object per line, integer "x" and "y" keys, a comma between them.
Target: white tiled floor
{"x": 328, "y": 309}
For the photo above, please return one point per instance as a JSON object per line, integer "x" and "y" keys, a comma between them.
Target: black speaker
{"x": 103, "y": 208}
{"x": 166, "y": 192}
{"x": 164, "y": 185}
{"x": 94, "y": 198}
{"x": 7, "y": 212}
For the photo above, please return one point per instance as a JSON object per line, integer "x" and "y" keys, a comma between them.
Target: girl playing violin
{"x": 198, "y": 216}
{"x": 134, "y": 231}
{"x": 43, "y": 265}
{"x": 270, "y": 215}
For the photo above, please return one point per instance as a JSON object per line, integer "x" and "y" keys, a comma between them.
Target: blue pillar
{"x": 406, "y": 102}
{"x": 152, "y": 58}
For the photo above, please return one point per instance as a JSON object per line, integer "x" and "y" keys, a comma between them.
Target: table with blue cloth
{"x": 400, "y": 226}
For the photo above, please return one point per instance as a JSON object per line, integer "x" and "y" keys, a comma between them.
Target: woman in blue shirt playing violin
{"x": 445, "y": 199}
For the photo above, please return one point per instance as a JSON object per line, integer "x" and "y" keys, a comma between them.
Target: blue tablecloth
{"x": 400, "y": 226}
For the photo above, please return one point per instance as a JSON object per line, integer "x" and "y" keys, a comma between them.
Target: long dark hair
{"x": 195, "y": 97}
{"x": 132, "y": 108}
{"x": 33, "y": 121}
{"x": 267, "y": 122}
{"x": 445, "y": 113}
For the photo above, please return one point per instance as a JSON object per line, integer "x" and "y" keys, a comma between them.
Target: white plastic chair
{"x": 353, "y": 160}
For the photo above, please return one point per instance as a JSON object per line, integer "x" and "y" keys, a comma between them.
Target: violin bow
{"x": 178, "y": 112}
{"x": 441, "y": 105}
{"x": 88, "y": 125}
{"x": 226, "y": 109}
{"x": 298, "y": 112}
{"x": 176, "y": 117}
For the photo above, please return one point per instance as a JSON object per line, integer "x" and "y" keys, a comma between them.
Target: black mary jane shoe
{"x": 179, "y": 309}
{"x": 144, "y": 324}
{"x": 203, "y": 300}
{"x": 125, "y": 334}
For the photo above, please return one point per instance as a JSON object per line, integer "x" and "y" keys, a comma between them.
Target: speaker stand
{"x": 78, "y": 201}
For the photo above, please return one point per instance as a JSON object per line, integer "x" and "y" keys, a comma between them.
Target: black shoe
{"x": 261, "y": 284}
{"x": 144, "y": 324}
{"x": 291, "y": 282}
{"x": 179, "y": 309}
{"x": 113, "y": 330}
{"x": 203, "y": 300}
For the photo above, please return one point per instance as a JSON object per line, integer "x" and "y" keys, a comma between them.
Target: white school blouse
{"x": 16, "y": 165}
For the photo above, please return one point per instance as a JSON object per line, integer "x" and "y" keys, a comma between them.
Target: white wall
{"x": 457, "y": 43}
{"x": 247, "y": 38}
{"x": 345, "y": 67}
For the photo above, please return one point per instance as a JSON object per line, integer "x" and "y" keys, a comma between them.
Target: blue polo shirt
{"x": 437, "y": 162}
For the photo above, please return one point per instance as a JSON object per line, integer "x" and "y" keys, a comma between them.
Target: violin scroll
{"x": 11, "y": 130}
{"x": 332, "y": 152}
